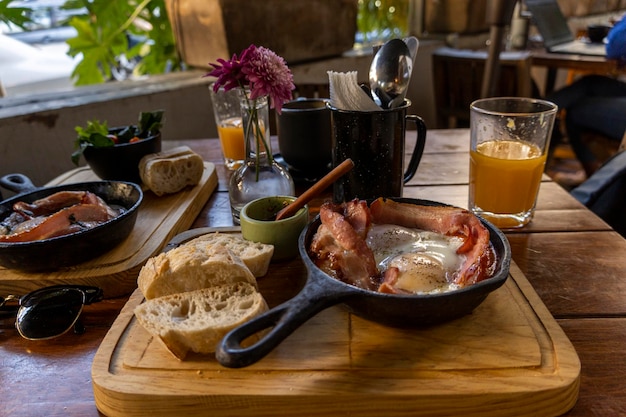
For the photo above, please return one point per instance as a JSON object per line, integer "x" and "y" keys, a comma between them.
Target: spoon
{"x": 413, "y": 44}
{"x": 367, "y": 91}
{"x": 315, "y": 189}
{"x": 390, "y": 73}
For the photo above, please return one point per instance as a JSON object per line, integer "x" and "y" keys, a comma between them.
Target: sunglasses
{"x": 49, "y": 312}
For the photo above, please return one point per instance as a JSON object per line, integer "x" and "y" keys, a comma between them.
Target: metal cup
{"x": 375, "y": 141}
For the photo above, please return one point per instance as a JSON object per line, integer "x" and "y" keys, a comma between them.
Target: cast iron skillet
{"x": 322, "y": 291}
{"x": 72, "y": 249}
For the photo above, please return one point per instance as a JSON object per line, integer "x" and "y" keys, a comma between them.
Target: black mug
{"x": 304, "y": 137}
{"x": 597, "y": 33}
{"x": 375, "y": 141}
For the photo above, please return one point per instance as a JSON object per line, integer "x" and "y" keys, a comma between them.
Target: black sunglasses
{"x": 49, "y": 312}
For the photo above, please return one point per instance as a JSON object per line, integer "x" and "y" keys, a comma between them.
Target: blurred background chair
{"x": 604, "y": 192}
{"x": 458, "y": 75}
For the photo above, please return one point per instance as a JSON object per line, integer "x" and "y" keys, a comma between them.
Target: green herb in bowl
{"x": 99, "y": 135}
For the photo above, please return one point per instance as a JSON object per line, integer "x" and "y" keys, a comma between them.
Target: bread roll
{"x": 256, "y": 256}
{"x": 191, "y": 267}
{"x": 170, "y": 171}
{"x": 197, "y": 320}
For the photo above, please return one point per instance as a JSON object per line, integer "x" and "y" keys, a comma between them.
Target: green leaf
{"x": 100, "y": 141}
{"x": 18, "y": 16}
{"x": 76, "y": 156}
{"x": 88, "y": 71}
{"x": 95, "y": 134}
{"x": 127, "y": 133}
{"x": 150, "y": 122}
{"x": 101, "y": 37}
{"x": 93, "y": 126}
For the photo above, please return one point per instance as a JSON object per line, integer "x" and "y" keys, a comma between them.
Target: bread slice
{"x": 256, "y": 256}
{"x": 170, "y": 171}
{"x": 191, "y": 267}
{"x": 197, "y": 320}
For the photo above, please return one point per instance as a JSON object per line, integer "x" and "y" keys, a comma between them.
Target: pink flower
{"x": 228, "y": 74}
{"x": 268, "y": 75}
{"x": 260, "y": 69}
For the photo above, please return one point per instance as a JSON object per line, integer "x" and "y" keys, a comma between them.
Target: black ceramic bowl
{"x": 121, "y": 162}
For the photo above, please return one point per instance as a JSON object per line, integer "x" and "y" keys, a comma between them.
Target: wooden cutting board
{"x": 508, "y": 358}
{"x": 159, "y": 219}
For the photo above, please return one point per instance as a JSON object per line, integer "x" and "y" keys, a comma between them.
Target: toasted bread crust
{"x": 256, "y": 256}
{"x": 191, "y": 267}
{"x": 196, "y": 321}
{"x": 171, "y": 171}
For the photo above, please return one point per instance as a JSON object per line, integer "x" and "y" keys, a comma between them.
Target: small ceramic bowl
{"x": 121, "y": 162}
{"x": 257, "y": 225}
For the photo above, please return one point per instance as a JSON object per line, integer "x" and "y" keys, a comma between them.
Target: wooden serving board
{"x": 508, "y": 358}
{"x": 159, "y": 219}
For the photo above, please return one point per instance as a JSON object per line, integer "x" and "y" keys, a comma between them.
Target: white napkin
{"x": 346, "y": 94}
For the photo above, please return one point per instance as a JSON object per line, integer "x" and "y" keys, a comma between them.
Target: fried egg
{"x": 426, "y": 261}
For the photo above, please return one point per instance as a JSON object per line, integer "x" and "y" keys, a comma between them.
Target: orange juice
{"x": 230, "y": 132}
{"x": 505, "y": 176}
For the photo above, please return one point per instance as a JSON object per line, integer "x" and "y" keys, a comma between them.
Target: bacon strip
{"x": 65, "y": 221}
{"x": 58, "y": 214}
{"x": 51, "y": 204}
{"x": 451, "y": 221}
{"x": 57, "y": 201}
{"x": 340, "y": 244}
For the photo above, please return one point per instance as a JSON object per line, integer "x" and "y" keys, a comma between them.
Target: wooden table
{"x": 578, "y": 63}
{"x": 576, "y": 263}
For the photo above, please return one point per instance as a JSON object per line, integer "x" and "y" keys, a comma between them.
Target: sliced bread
{"x": 256, "y": 256}
{"x": 191, "y": 267}
{"x": 197, "y": 320}
{"x": 170, "y": 171}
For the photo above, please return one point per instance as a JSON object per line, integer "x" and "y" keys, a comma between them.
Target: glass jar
{"x": 260, "y": 175}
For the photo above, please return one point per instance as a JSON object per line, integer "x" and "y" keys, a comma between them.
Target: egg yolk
{"x": 419, "y": 273}
{"x": 426, "y": 261}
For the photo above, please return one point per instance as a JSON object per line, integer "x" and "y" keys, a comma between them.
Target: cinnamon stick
{"x": 315, "y": 189}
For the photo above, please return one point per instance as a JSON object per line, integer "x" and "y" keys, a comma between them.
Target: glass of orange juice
{"x": 510, "y": 137}
{"x": 227, "y": 112}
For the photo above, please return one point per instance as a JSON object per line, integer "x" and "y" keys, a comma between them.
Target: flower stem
{"x": 254, "y": 126}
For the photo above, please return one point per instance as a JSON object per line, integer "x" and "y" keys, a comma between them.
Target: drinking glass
{"x": 227, "y": 112}
{"x": 510, "y": 137}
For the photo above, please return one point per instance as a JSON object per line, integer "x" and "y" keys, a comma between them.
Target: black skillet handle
{"x": 17, "y": 183}
{"x": 282, "y": 320}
